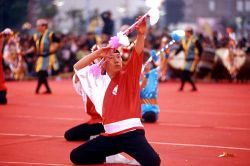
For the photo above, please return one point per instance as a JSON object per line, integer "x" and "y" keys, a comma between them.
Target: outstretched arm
{"x": 141, "y": 29}
{"x": 199, "y": 47}
{"x": 179, "y": 49}
{"x": 30, "y": 50}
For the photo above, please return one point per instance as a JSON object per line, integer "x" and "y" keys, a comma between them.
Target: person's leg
{"x": 149, "y": 116}
{"x": 135, "y": 144}
{"x": 3, "y": 98}
{"x": 45, "y": 81}
{"x": 190, "y": 80}
{"x": 83, "y": 132}
{"x": 39, "y": 81}
{"x": 94, "y": 151}
{"x": 183, "y": 80}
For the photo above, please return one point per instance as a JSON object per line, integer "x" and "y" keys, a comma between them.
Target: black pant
{"x": 42, "y": 79}
{"x": 3, "y": 98}
{"x": 186, "y": 76}
{"x": 133, "y": 143}
{"x": 83, "y": 132}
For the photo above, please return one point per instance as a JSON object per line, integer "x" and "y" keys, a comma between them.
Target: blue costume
{"x": 149, "y": 94}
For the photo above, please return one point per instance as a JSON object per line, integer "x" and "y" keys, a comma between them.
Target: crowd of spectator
{"x": 222, "y": 58}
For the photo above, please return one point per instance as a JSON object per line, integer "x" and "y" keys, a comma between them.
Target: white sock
{"x": 93, "y": 136}
{"x": 118, "y": 158}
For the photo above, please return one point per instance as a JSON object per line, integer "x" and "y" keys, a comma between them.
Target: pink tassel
{"x": 95, "y": 69}
{"x": 114, "y": 42}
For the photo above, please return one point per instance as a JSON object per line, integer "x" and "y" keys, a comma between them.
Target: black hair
{"x": 116, "y": 51}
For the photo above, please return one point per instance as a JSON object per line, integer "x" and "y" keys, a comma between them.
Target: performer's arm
{"x": 31, "y": 49}
{"x": 139, "y": 45}
{"x": 55, "y": 43}
{"x": 199, "y": 47}
{"x": 87, "y": 60}
{"x": 179, "y": 50}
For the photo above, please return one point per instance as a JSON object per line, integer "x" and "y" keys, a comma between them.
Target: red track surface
{"x": 193, "y": 128}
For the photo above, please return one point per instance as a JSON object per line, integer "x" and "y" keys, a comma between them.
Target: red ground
{"x": 193, "y": 128}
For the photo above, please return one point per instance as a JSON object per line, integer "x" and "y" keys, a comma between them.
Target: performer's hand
{"x": 105, "y": 52}
{"x": 142, "y": 26}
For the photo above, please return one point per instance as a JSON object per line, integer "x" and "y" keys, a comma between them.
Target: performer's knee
{"x": 70, "y": 135}
{"x": 149, "y": 116}
{"x": 67, "y": 136}
{"x": 78, "y": 157}
{"x": 75, "y": 157}
{"x": 81, "y": 157}
{"x": 153, "y": 160}
{"x": 156, "y": 160}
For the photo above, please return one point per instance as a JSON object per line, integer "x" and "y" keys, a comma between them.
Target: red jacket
{"x": 2, "y": 80}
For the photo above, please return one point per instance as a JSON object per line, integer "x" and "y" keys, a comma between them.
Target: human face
{"x": 188, "y": 34}
{"x": 41, "y": 28}
{"x": 114, "y": 63}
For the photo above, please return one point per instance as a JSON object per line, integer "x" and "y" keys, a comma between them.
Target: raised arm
{"x": 141, "y": 29}
{"x": 87, "y": 60}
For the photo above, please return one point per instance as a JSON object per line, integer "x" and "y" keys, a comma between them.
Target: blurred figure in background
{"x": 13, "y": 58}
{"x": 149, "y": 89}
{"x": 192, "y": 51}
{"x": 108, "y": 27}
{"x": 206, "y": 63}
{"x": 96, "y": 25}
{"x": 163, "y": 59}
{"x": 45, "y": 44}
{"x": 25, "y": 43}
{"x": 3, "y": 88}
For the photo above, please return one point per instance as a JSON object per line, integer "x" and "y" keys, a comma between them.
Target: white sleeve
{"x": 83, "y": 76}
{"x": 79, "y": 90}
{"x": 93, "y": 87}
{"x": 77, "y": 86}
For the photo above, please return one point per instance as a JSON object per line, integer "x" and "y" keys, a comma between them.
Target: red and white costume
{"x": 89, "y": 107}
{"x": 117, "y": 100}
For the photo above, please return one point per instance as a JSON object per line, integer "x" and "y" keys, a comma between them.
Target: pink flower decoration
{"x": 114, "y": 42}
{"x": 95, "y": 69}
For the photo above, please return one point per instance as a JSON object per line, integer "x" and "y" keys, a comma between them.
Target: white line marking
{"x": 207, "y": 113}
{"x": 165, "y": 110}
{"x": 30, "y": 135}
{"x": 52, "y": 105}
{"x": 199, "y": 145}
{"x": 28, "y": 163}
{"x": 162, "y": 110}
{"x": 51, "y": 118}
{"x": 152, "y": 142}
{"x": 203, "y": 126}
{"x": 161, "y": 124}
